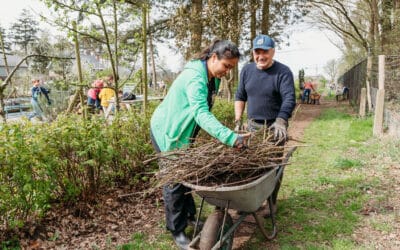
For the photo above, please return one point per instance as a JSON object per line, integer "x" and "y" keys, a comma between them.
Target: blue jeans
{"x": 93, "y": 102}
{"x": 306, "y": 95}
{"x": 37, "y": 110}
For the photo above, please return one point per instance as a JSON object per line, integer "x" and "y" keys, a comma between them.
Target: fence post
{"x": 380, "y": 98}
{"x": 368, "y": 83}
{"x": 363, "y": 102}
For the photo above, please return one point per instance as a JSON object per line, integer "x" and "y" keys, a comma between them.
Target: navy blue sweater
{"x": 269, "y": 93}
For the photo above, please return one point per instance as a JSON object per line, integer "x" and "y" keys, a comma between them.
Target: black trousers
{"x": 178, "y": 202}
{"x": 179, "y": 206}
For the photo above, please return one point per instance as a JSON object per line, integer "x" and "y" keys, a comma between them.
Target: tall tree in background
{"x": 347, "y": 20}
{"x": 6, "y": 44}
{"x": 23, "y": 31}
{"x": 238, "y": 21}
{"x": 196, "y": 27}
{"x": 144, "y": 57}
{"x": 390, "y": 27}
{"x": 274, "y": 17}
{"x": 65, "y": 48}
{"x": 253, "y": 21}
{"x": 265, "y": 16}
{"x": 41, "y": 47}
{"x": 365, "y": 26}
{"x": 3, "y": 48}
{"x": 331, "y": 69}
{"x": 243, "y": 17}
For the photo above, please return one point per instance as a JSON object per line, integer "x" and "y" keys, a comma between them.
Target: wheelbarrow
{"x": 218, "y": 230}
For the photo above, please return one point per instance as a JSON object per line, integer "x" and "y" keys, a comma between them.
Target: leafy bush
{"x": 25, "y": 186}
{"x": 68, "y": 159}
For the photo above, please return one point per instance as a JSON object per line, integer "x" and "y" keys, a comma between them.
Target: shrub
{"x": 69, "y": 159}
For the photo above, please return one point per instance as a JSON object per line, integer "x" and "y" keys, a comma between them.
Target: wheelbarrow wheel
{"x": 212, "y": 230}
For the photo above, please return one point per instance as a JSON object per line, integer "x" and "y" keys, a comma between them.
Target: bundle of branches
{"x": 214, "y": 164}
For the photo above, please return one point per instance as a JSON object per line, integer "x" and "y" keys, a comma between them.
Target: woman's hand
{"x": 242, "y": 141}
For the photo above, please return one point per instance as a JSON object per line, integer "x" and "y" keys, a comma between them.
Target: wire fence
{"x": 355, "y": 79}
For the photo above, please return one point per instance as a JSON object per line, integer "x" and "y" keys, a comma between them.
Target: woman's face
{"x": 220, "y": 67}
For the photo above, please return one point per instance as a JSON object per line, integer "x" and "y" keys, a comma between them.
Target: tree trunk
{"x": 386, "y": 25}
{"x": 144, "y": 66}
{"x": 253, "y": 23}
{"x": 116, "y": 44}
{"x": 196, "y": 27}
{"x": 373, "y": 26}
{"x": 110, "y": 54}
{"x": 265, "y": 17}
{"x": 79, "y": 92}
{"x": 153, "y": 64}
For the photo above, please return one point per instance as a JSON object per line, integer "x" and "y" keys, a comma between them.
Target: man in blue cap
{"x": 267, "y": 86}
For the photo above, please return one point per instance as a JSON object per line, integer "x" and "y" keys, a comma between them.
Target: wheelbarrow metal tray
{"x": 246, "y": 198}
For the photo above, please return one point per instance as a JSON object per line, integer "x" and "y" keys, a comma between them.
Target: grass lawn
{"x": 327, "y": 186}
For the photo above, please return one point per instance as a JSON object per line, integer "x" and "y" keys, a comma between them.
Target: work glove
{"x": 279, "y": 127}
{"x": 238, "y": 126}
{"x": 49, "y": 102}
{"x": 242, "y": 141}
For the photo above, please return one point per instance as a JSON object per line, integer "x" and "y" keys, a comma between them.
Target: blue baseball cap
{"x": 263, "y": 42}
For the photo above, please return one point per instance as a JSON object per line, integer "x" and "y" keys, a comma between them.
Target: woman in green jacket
{"x": 177, "y": 120}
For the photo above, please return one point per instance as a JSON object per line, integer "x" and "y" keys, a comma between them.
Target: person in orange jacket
{"x": 308, "y": 86}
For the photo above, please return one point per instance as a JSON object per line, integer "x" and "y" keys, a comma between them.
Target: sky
{"x": 309, "y": 49}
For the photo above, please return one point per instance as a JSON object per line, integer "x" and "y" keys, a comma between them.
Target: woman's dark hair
{"x": 224, "y": 49}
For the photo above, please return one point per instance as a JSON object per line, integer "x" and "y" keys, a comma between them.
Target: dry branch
{"x": 214, "y": 164}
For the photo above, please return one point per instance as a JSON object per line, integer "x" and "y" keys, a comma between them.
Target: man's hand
{"x": 238, "y": 126}
{"x": 242, "y": 141}
{"x": 280, "y": 129}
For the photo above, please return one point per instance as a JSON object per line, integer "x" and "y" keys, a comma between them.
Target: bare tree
{"x": 331, "y": 68}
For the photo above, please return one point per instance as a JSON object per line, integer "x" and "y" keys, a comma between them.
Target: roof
{"x": 12, "y": 60}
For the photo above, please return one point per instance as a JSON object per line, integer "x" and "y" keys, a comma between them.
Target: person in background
{"x": 267, "y": 86}
{"x": 345, "y": 93}
{"x": 93, "y": 94}
{"x": 37, "y": 91}
{"x": 308, "y": 87}
{"x": 178, "y": 119}
{"x": 106, "y": 94}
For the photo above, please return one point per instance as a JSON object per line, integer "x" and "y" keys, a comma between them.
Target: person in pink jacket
{"x": 93, "y": 94}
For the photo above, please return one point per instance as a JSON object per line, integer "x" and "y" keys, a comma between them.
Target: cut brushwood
{"x": 214, "y": 164}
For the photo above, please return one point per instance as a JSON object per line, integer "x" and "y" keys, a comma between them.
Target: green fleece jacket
{"x": 174, "y": 120}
